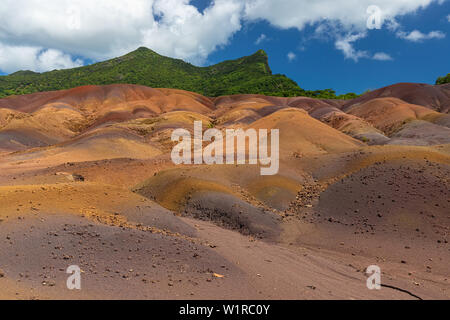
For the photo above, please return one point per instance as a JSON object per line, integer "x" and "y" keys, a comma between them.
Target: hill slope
{"x": 433, "y": 97}
{"x": 250, "y": 74}
{"x": 86, "y": 178}
{"x": 443, "y": 80}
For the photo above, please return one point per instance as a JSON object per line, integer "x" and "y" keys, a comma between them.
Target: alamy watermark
{"x": 374, "y": 279}
{"x": 237, "y": 151}
{"x": 375, "y": 20}
{"x": 74, "y": 280}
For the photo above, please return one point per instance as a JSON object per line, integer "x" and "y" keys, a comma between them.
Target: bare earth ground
{"x": 86, "y": 179}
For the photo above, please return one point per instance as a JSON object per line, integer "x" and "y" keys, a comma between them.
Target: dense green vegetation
{"x": 250, "y": 74}
{"x": 443, "y": 80}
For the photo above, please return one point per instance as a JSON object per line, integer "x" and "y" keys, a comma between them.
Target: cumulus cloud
{"x": 417, "y": 36}
{"x": 104, "y": 29}
{"x": 342, "y": 20}
{"x": 382, "y": 56}
{"x": 345, "y": 44}
{"x": 261, "y": 39}
{"x": 291, "y": 56}
{"x": 350, "y": 14}
{"x": 183, "y": 32}
{"x": 13, "y": 58}
{"x": 49, "y": 33}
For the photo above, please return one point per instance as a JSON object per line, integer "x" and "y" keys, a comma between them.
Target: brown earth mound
{"x": 433, "y": 97}
{"x": 389, "y": 114}
{"x": 86, "y": 179}
{"x": 302, "y": 134}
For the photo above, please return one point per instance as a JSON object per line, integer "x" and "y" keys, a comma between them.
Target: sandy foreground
{"x": 86, "y": 179}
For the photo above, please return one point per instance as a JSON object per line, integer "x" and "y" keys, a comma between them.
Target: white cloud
{"x": 417, "y": 36}
{"x": 13, "y": 58}
{"x": 350, "y": 14}
{"x": 342, "y": 20}
{"x": 53, "y": 59}
{"x": 382, "y": 56}
{"x": 261, "y": 39}
{"x": 291, "y": 56}
{"x": 392, "y": 25}
{"x": 448, "y": 18}
{"x": 345, "y": 44}
{"x": 102, "y": 29}
{"x": 183, "y": 32}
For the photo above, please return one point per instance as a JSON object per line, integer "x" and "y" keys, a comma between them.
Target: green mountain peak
{"x": 246, "y": 75}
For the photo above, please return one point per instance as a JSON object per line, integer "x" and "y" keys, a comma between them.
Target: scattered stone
{"x": 78, "y": 177}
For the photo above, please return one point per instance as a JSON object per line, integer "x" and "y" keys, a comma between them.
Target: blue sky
{"x": 320, "y": 44}
{"x": 319, "y": 65}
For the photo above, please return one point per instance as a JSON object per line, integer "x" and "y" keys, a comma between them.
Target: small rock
{"x": 78, "y": 177}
